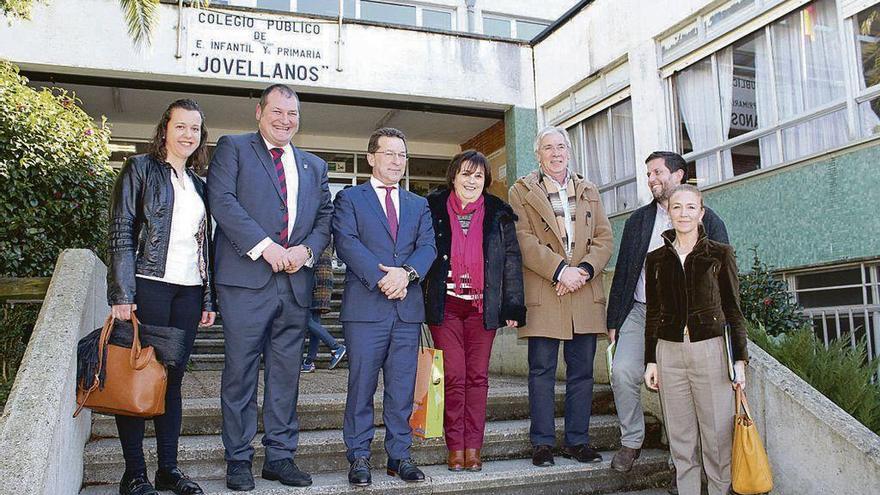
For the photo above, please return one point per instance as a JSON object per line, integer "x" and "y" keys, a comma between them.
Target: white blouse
{"x": 184, "y": 242}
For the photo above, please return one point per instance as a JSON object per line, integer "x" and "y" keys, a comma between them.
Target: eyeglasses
{"x": 390, "y": 154}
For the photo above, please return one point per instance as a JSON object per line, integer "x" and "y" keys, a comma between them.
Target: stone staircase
{"x": 507, "y": 463}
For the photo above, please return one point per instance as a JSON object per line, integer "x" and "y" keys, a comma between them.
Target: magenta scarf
{"x": 466, "y": 256}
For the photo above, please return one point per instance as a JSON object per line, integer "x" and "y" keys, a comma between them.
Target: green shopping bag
{"x": 427, "y": 416}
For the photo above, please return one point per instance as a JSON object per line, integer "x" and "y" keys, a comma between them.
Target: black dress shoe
{"x": 542, "y": 455}
{"x": 359, "y": 472}
{"x": 137, "y": 484}
{"x": 239, "y": 476}
{"x": 581, "y": 453}
{"x": 177, "y": 482}
{"x": 405, "y": 469}
{"x": 286, "y": 472}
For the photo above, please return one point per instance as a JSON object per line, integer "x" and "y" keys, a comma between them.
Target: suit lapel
{"x": 373, "y": 200}
{"x": 266, "y": 160}
{"x": 302, "y": 166}
{"x": 406, "y": 212}
{"x": 648, "y": 227}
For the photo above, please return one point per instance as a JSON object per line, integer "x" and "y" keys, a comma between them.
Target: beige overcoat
{"x": 542, "y": 250}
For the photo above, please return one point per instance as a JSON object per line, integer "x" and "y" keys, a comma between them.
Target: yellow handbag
{"x": 749, "y": 467}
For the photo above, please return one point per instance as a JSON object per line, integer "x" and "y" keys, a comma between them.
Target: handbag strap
{"x": 424, "y": 338}
{"x": 135, "y": 353}
{"x": 742, "y": 403}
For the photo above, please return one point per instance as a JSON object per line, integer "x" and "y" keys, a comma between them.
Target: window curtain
{"x": 695, "y": 91}
{"x": 624, "y": 153}
{"x": 770, "y": 153}
{"x": 597, "y": 149}
{"x": 724, "y": 59}
{"x": 809, "y": 73}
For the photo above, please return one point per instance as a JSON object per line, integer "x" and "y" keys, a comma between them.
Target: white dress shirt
{"x": 187, "y": 218}
{"x": 380, "y": 190}
{"x": 291, "y": 178}
{"x": 662, "y": 223}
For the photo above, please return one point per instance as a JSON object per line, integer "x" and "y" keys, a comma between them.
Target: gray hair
{"x": 550, "y": 129}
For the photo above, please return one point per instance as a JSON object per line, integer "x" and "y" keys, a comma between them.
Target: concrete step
{"x": 201, "y": 416}
{"x": 216, "y": 331}
{"x": 503, "y": 477}
{"x": 321, "y": 451}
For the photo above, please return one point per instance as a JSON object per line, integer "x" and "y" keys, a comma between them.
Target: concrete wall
{"x": 377, "y": 62}
{"x": 41, "y": 444}
{"x": 813, "y": 445}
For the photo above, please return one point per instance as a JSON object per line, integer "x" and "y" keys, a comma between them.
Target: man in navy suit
{"x": 272, "y": 205}
{"x": 385, "y": 237}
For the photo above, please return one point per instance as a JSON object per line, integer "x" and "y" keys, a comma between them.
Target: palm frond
{"x": 140, "y": 17}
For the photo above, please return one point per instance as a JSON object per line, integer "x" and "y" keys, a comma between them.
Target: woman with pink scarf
{"x": 474, "y": 287}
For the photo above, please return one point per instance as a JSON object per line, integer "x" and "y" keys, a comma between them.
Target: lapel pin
{"x": 305, "y": 165}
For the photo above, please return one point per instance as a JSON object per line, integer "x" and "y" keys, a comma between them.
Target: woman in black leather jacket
{"x": 160, "y": 267}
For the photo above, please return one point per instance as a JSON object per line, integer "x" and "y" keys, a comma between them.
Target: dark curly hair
{"x": 199, "y": 159}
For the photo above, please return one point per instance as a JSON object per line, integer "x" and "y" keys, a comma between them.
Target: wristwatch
{"x": 411, "y": 273}
{"x": 309, "y": 252}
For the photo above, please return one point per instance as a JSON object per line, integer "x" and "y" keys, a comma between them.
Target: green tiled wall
{"x": 825, "y": 210}
{"x": 520, "y": 128}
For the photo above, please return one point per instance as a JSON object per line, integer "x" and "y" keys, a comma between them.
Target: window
{"x": 867, "y": 29}
{"x": 324, "y": 7}
{"x": 511, "y": 28}
{"x": 526, "y": 30}
{"x": 282, "y": 5}
{"x": 604, "y": 152}
{"x": 774, "y": 96}
{"x": 437, "y": 19}
{"x": 841, "y": 302}
{"x": 388, "y": 12}
{"x": 496, "y": 27}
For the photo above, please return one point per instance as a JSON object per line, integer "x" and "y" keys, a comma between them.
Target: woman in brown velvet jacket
{"x": 692, "y": 291}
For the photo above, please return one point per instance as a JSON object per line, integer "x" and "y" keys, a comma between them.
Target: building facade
{"x": 774, "y": 103}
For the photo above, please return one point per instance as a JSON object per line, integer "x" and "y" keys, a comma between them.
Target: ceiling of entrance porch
{"x": 129, "y": 110}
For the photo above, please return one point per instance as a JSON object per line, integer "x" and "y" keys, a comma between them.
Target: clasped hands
{"x": 289, "y": 260}
{"x": 394, "y": 283}
{"x": 571, "y": 279}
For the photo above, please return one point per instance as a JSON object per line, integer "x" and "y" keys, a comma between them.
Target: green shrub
{"x": 840, "y": 372}
{"x": 55, "y": 180}
{"x": 16, "y": 8}
{"x": 16, "y": 325}
{"x": 765, "y": 300}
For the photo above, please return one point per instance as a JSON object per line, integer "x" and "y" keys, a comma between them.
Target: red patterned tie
{"x": 279, "y": 169}
{"x": 390, "y": 211}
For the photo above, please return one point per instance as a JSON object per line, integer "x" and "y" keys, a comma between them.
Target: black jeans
{"x": 162, "y": 304}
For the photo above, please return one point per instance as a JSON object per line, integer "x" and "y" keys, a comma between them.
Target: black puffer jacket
{"x": 140, "y": 227}
{"x": 503, "y": 297}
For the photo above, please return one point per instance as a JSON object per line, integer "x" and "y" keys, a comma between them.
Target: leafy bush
{"x": 16, "y": 325}
{"x": 55, "y": 181}
{"x": 840, "y": 372}
{"x": 765, "y": 300}
{"x": 16, "y": 8}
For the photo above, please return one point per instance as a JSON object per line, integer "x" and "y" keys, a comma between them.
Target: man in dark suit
{"x": 385, "y": 237}
{"x": 626, "y": 302}
{"x": 272, "y": 205}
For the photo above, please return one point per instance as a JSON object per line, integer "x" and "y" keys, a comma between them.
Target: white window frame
{"x": 605, "y": 107}
{"x": 513, "y": 22}
{"x": 565, "y": 109}
{"x": 860, "y": 92}
{"x": 866, "y": 310}
{"x": 763, "y": 15}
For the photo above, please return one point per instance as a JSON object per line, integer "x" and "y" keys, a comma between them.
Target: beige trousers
{"x": 697, "y": 401}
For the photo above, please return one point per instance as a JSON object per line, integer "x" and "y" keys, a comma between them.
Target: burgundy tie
{"x": 279, "y": 169}
{"x": 390, "y": 211}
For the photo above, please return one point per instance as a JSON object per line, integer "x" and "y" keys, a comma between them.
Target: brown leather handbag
{"x": 134, "y": 381}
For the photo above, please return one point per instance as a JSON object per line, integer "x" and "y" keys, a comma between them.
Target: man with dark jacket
{"x": 626, "y": 303}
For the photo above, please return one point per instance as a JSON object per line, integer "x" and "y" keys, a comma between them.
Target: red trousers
{"x": 466, "y": 346}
